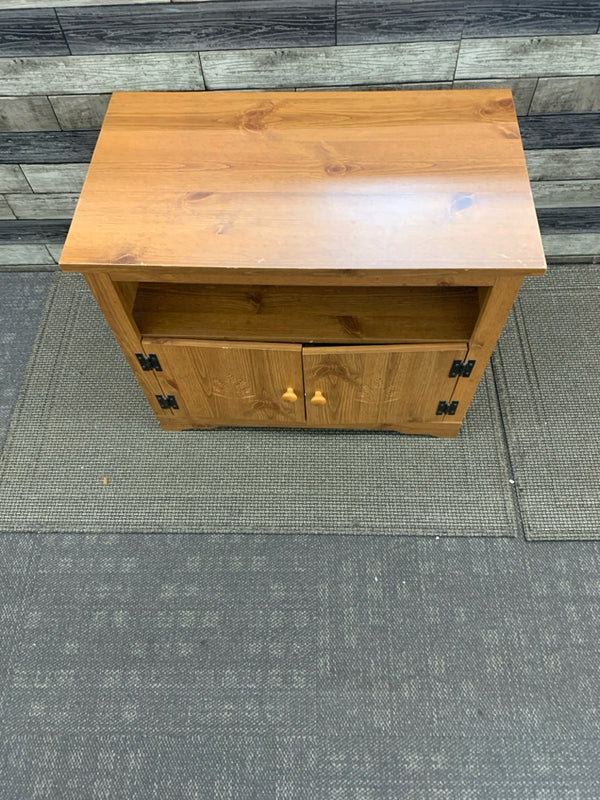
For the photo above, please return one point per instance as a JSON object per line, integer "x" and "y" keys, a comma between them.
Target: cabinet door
{"x": 231, "y": 381}
{"x": 374, "y": 385}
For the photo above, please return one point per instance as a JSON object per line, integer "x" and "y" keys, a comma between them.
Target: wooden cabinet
{"x": 231, "y": 382}
{"x": 387, "y": 386}
{"x": 225, "y": 382}
{"x": 318, "y": 259}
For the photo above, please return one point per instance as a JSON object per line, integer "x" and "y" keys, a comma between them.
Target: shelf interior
{"x": 307, "y": 314}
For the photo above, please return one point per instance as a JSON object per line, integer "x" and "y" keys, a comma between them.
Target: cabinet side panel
{"x": 496, "y": 302}
{"x": 116, "y": 300}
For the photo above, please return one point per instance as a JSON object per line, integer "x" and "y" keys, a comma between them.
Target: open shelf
{"x": 307, "y": 314}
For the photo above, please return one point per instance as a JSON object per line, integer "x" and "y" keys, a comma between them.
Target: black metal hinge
{"x": 447, "y": 408}
{"x": 149, "y": 362}
{"x": 167, "y": 402}
{"x": 461, "y": 368}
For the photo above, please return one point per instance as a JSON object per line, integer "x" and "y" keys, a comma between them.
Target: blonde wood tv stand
{"x": 309, "y": 259}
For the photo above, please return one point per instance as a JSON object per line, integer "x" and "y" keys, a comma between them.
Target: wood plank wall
{"x": 60, "y": 59}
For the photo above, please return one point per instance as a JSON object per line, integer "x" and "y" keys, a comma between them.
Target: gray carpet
{"x": 82, "y": 416}
{"x": 295, "y": 667}
{"x": 22, "y": 299}
{"x": 547, "y": 368}
{"x": 298, "y": 667}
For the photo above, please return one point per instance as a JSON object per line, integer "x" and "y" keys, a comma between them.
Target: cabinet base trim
{"x": 446, "y": 430}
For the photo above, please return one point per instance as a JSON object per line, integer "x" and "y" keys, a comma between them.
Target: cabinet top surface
{"x": 402, "y": 180}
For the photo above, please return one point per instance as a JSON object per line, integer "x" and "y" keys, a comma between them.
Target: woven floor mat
{"x": 82, "y": 417}
{"x": 547, "y": 368}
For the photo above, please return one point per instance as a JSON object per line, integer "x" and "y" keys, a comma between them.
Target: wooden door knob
{"x": 318, "y": 400}
{"x": 290, "y": 395}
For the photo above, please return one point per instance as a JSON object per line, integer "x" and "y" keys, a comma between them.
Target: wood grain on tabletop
{"x": 349, "y": 180}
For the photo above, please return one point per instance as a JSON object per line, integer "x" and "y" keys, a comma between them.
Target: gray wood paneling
{"x": 548, "y": 165}
{"x": 571, "y": 244}
{"x": 47, "y": 147}
{"x": 12, "y": 179}
{"x": 382, "y": 21}
{"x": 560, "y": 131}
{"x": 233, "y": 24}
{"x": 522, "y": 89}
{"x": 487, "y": 18}
{"x": 55, "y": 251}
{"x": 46, "y": 178}
{"x": 18, "y": 254}
{"x": 380, "y": 87}
{"x": 6, "y": 211}
{"x": 563, "y": 194}
{"x": 42, "y": 206}
{"x": 83, "y": 111}
{"x": 548, "y": 54}
{"x": 327, "y": 66}
{"x": 27, "y": 114}
{"x": 33, "y": 231}
{"x": 31, "y": 31}
{"x": 29, "y": 268}
{"x": 569, "y": 220}
{"x": 13, "y": 4}
{"x": 97, "y": 74}
{"x": 529, "y": 57}
{"x": 557, "y": 95}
